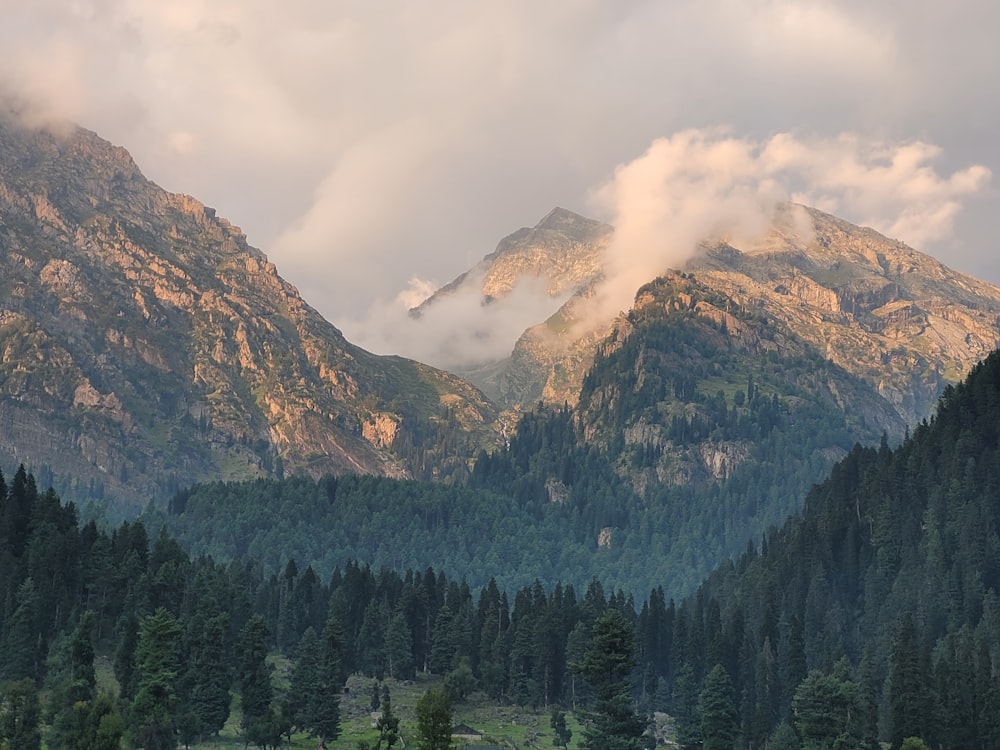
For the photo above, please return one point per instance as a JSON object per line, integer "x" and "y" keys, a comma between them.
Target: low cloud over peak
{"x": 361, "y": 145}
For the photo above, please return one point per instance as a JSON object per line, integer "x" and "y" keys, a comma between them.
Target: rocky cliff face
{"x": 900, "y": 320}
{"x": 563, "y": 251}
{"x": 562, "y": 255}
{"x": 145, "y": 345}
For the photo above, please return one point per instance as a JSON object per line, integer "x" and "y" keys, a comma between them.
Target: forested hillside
{"x": 699, "y": 425}
{"x": 880, "y": 600}
{"x": 873, "y": 615}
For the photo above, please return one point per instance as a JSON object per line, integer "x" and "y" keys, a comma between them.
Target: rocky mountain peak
{"x": 895, "y": 316}
{"x": 562, "y": 253}
{"x": 145, "y": 345}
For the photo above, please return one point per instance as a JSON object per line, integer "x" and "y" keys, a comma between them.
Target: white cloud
{"x": 361, "y": 144}
{"x": 457, "y": 330}
{"x": 701, "y": 185}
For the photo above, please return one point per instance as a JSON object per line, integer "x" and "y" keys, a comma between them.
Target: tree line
{"x": 872, "y": 616}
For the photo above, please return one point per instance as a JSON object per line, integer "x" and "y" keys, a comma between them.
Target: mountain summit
{"x": 898, "y": 319}
{"x": 144, "y": 345}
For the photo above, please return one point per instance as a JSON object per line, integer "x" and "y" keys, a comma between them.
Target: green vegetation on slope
{"x": 872, "y": 616}
{"x": 686, "y": 445}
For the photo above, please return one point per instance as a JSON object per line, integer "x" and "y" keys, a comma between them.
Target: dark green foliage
{"x": 685, "y": 709}
{"x": 784, "y": 738}
{"x": 828, "y": 712}
{"x": 910, "y": 700}
{"x": 717, "y": 710}
{"x": 387, "y": 724}
{"x": 20, "y": 715}
{"x": 255, "y": 683}
{"x": 22, "y": 646}
{"x": 303, "y": 691}
{"x": 152, "y": 718}
{"x": 205, "y": 678}
{"x": 460, "y": 681}
{"x": 434, "y": 722}
{"x": 563, "y": 734}
{"x": 325, "y": 720}
{"x": 399, "y": 648}
{"x": 73, "y": 690}
{"x": 612, "y": 723}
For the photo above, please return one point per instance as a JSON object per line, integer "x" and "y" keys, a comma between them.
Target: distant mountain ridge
{"x": 145, "y": 345}
{"x": 901, "y": 320}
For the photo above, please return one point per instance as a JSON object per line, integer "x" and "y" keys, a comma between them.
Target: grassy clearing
{"x": 508, "y": 726}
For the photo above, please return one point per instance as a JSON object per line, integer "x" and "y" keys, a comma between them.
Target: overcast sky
{"x": 370, "y": 147}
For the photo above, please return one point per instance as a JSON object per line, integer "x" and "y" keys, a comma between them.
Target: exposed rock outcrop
{"x": 145, "y": 345}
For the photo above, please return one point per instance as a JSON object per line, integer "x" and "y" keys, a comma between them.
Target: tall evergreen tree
{"x": 205, "y": 680}
{"x": 126, "y": 671}
{"x": 909, "y": 685}
{"x": 325, "y": 721}
{"x": 152, "y": 717}
{"x": 73, "y": 690}
{"x": 613, "y": 723}
{"x": 718, "y": 710}
{"x": 399, "y": 648}
{"x": 828, "y": 712}
{"x": 685, "y": 709}
{"x": 304, "y": 686}
{"x": 255, "y": 683}
{"x": 22, "y": 644}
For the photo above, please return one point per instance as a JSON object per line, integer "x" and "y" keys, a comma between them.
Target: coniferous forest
{"x": 872, "y": 616}
{"x": 590, "y": 490}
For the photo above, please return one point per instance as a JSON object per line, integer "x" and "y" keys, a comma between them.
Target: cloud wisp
{"x": 692, "y": 187}
{"x": 703, "y": 185}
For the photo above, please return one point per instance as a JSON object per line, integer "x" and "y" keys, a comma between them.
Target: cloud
{"x": 700, "y": 185}
{"x": 362, "y": 144}
{"x": 459, "y": 330}
{"x": 687, "y": 189}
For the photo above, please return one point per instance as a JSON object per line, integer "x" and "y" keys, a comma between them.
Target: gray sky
{"x": 371, "y": 147}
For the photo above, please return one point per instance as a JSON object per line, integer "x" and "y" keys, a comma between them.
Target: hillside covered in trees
{"x": 873, "y": 615}
{"x": 669, "y": 463}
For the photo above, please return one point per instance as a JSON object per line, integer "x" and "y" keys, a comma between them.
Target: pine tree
{"x": 908, "y": 685}
{"x": 387, "y": 724}
{"x": 255, "y": 682}
{"x": 828, "y": 712}
{"x": 22, "y": 644}
{"x": 125, "y": 668}
{"x": 152, "y": 716}
{"x": 718, "y": 710}
{"x": 305, "y": 675}
{"x": 399, "y": 648}
{"x": 612, "y": 723}
{"x": 206, "y": 676}
{"x": 73, "y": 689}
{"x": 562, "y": 733}
{"x": 324, "y": 720}
{"x": 685, "y": 709}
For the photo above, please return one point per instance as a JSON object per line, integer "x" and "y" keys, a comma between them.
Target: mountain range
{"x": 894, "y": 317}
{"x": 147, "y": 346}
